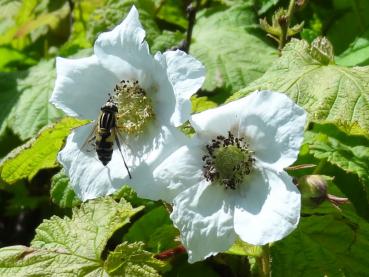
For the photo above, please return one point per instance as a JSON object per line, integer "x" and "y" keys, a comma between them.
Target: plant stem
{"x": 264, "y": 262}
{"x": 284, "y": 27}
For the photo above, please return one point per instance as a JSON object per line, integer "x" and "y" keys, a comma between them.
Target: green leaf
{"x": 345, "y": 155}
{"x": 32, "y": 90}
{"x": 325, "y": 91}
{"x": 230, "y": 45}
{"x": 166, "y": 40}
{"x": 244, "y": 249}
{"x": 161, "y": 234}
{"x": 325, "y": 245}
{"x": 61, "y": 193}
{"x": 132, "y": 260}
{"x": 69, "y": 246}
{"x": 202, "y": 103}
{"x": 173, "y": 12}
{"x": 39, "y": 153}
{"x": 357, "y": 53}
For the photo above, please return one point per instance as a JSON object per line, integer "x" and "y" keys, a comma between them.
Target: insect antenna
{"x": 121, "y": 153}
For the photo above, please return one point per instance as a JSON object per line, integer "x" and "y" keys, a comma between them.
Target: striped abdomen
{"x": 104, "y": 135}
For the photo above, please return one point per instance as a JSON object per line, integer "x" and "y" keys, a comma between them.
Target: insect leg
{"x": 121, "y": 153}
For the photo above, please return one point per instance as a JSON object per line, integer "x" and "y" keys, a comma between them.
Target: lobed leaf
{"x": 326, "y": 91}
{"x": 70, "y": 246}
{"x": 39, "y": 153}
{"x": 61, "y": 193}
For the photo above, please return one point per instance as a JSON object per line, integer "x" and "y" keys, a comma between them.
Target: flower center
{"x": 135, "y": 109}
{"x": 228, "y": 162}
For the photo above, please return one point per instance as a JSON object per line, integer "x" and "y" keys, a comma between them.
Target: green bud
{"x": 313, "y": 189}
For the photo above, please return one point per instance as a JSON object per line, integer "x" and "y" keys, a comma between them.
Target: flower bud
{"x": 313, "y": 189}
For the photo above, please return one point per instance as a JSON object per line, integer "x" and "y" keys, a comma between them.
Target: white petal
{"x": 125, "y": 42}
{"x": 274, "y": 126}
{"x": 271, "y": 122}
{"x": 181, "y": 170}
{"x": 81, "y": 86}
{"x": 145, "y": 152}
{"x": 268, "y": 208}
{"x": 88, "y": 176}
{"x": 187, "y": 75}
{"x": 204, "y": 216}
{"x": 220, "y": 120}
{"x": 90, "y": 179}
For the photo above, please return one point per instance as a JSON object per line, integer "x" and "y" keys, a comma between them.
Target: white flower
{"x": 149, "y": 110}
{"x": 229, "y": 182}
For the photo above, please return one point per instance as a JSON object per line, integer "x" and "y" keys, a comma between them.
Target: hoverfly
{"x": 106, "y": 133}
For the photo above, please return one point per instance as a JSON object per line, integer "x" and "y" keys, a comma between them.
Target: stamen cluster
{"x": 228, "y": 161}
{"x": 135, "y": 109}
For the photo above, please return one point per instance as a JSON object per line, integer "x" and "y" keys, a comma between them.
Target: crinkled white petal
{"x": 88, "y": 176}
{"x": 268, "y": 207}
{"x": 186, "y": 75}
{"x": 181, "y": 170}
{"x": 204, "y": 216}
{"x": 81, "y": 86}
{"x": 220, "y": 120}
{"x": 90, "y": 179}
{"x": 125, "y": 41}
{"x": 270, "y": 121}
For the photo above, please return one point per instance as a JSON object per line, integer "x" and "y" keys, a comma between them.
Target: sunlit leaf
{"x": 326, "y": 91}
{"x": 61, "y": 193}
{"x": 39, "y": 153}
{"x": 69, "y": 246}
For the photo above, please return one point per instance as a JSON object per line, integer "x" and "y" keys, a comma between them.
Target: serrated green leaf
{"x": 231, "y": 46}
{"x": 161, "y": 234}
{"x": 69, "y": 246}
{"x": 39, "y": 153}
{"x": 330, "y": 92}
{"x": 132, "y": 260}
{"x": 61, "y": 193}
{"x": 349, "y": 154}
{"x": 325, "y": 245}
{"x": 33, "y": 110}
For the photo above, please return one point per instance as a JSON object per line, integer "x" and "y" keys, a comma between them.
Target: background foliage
{"x": 39, "y": 212}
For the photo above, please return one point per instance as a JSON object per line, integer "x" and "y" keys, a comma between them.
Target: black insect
{"x": 107, "y": 133}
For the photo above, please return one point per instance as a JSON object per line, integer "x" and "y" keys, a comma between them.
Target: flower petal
{"x": 272, "y": 123}
{"x": 90, "y": 179}
{"x": 181, "y": 170}
{"x": 125, "y": 42}
{"x": 88, "y": 176}
{"x": 274, "y": 126}
{"x": 81, "y": 86}
{"x": 268, "y": 208}
{"x": 187, "y": 76}
{"x": 204, "y": 216}
{"x": 220, "y": 120}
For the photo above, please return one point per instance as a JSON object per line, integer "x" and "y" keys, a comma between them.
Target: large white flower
{"x": 230, "y": 181}
{"x": 152, "y": 94}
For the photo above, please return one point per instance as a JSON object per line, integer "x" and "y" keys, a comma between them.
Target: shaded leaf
{"x": 230, "y": 45}
{"x": 326, "y": 245}
{"x": 345, "y": 152}
{"x": 61, "y": 193}
{"x": 161, "y": 234}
